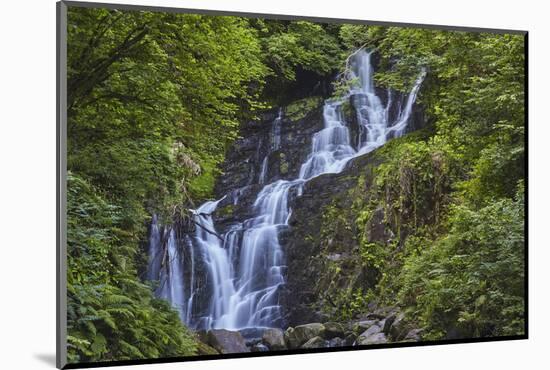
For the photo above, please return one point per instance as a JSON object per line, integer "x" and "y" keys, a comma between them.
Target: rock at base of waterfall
{"x": 334, "y": 329}
{"x": 336, "y": 342}
{"x": 377, "y": 338}
{"x": 399, "y": 328}
{"x": 388, "y": 322}
{"x": 315, "y": 342}
{"x": 349, "y": 340}
{"x": 252, "y": 336}
{"x": 296, "y": 337}
{"x": 364, "y": 325}
{"x": 226, "y": 341}
{"x": 205, "y": 349}
{"x": 373, "y": 330}
{"x": 274, "y": 339}
{"x": 414, "y": 335}
{"x": 259, "y": 347}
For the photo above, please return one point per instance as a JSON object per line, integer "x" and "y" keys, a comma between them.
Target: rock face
{"x": 225, "y": 341}
{"x": 331, "y": 261}
{"x": 315, "y": 271}
{"x": 282, "y": 151}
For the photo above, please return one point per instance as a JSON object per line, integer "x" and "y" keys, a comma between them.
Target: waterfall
{"x": 166, "y": 266}
{"x": 275, "y": 144}
{"x": 276, "y": 131}
{"x": 232, "y": 281}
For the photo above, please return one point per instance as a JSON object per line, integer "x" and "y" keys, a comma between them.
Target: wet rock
{"x": 377, "y": 338}
{"x": 361, "y": 326}
{"x": 336, "y": 342}
{"x": 225, "y": 341}
{"x": 252, "y": 336}
{"x": 316, "y": 342}
{"x": 274, "y": 339}
{"x": 259, "y": 348}
{"x": 374, "y": 329}
{"x": 296, "y": 337}
{"x": 334, "y": 329}
{"x": 349, "y": 340}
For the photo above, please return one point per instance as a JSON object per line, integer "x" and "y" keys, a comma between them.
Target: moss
{"x": 298, "y": 109}
{"x": 347, "y": 110}
{"x": 205, "y": 349}
{"x": 283, "y": 164}
{"x": 226, "y": 211}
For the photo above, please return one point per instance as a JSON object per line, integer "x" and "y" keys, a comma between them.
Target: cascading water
{"x": 232, "y": 281}
{"x": 275, "y": 144}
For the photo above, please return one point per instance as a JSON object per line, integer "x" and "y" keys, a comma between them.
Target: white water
{"x": 245, "y": 268}
{"x": 171, "y": 285}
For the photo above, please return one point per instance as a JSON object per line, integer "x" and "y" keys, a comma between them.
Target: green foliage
{"x": 112, "y": 315}
{"x": 471, "y": 280}
{"x": 155, "y": 99}
{"x": 308, "y": 45}
{"x": 175, "y": 83}
{"x": 351, "y": 302}
{"x": 354, "y": 36}
{"x": 415, "y": 180}
{"x": 455, "y": 258}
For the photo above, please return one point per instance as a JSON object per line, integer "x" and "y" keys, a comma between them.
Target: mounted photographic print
{"x": 237, "y": 185}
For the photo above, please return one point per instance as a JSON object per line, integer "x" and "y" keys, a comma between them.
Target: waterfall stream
{"x": 233, "y": 282}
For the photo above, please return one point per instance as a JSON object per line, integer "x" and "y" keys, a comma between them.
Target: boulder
{"x": 252, "y": 336}
{"x": 374, "y": 329}
{"x": 414, "y": 335}
{"x": 225, "y": 341}
{"x": 296, "y": 337}
{"x": 377, "y": 338}
{"x": 334, "y": 329}
{"x": 274, "y": 339}
{"x": 388, "y": 323}
{"x": 361, "y": 326}
{"x": 315, "y": 342}
{"x": 202, "y": 335}
{"x": 349, "y": 340}
{"x": 205, "y": 349}
{"x": 375, "y": 316}
{"x": 399, "y": 328}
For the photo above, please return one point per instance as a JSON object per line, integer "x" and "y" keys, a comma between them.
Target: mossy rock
{"x": 283, "y": 164}
{"x": 226, "y": 211}
{"x": 298, "y": 109}
{"x": 205, "y": 349}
